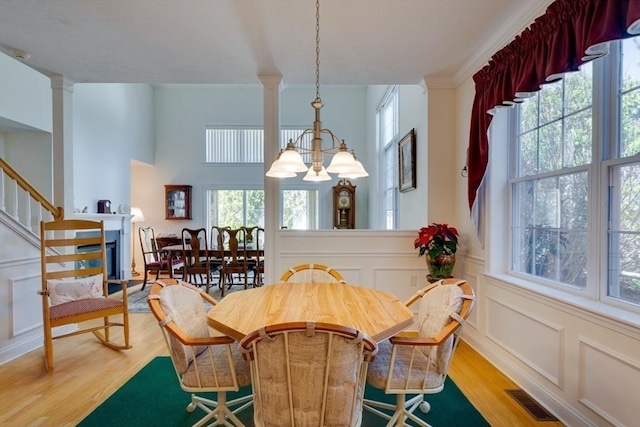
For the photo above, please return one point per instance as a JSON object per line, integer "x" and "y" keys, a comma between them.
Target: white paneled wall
{"x": 581, "y": 365}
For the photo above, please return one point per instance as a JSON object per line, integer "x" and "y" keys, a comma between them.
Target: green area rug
{"x": 154, "y": 398}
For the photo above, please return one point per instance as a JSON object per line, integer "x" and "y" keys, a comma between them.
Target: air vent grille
{"x": 532, "y": 407}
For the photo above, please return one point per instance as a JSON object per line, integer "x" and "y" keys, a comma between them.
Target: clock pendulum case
{"x": 344, "y": 205}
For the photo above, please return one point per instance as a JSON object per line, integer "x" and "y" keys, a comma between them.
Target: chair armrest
{"x": 406, "y": 334}
{"x": 414, "y": 341}
{"x": 192, "y": 341}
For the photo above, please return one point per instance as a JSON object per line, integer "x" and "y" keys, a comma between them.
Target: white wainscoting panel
{"x": 472, "y": 320}
{"x": 25, "y": 303}
{"x": 603, "y": 369}
{"x": 532, "y": 339}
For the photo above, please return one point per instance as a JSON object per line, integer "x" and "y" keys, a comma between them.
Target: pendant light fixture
{"x": 289, "y": 162}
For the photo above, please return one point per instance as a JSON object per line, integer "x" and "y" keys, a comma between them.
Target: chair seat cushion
{"x": 379, "y": 369}
{"x": 217, "y": 355}
{"x": 83, "y": 306}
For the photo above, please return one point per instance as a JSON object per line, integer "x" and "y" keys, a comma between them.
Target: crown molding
{"x": 438, "y": 82}
{"x": 525, "y": 14}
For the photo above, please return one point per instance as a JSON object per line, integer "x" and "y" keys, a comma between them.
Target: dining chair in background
{"x": 235, "y": 261}
{"x": 255, "y": 253}
{"x": 198, "y": 262}
{"x": 74, "y": 285}
{"x": 308, "y": 374}
{"x": 154, "y": 261}
{"x": 311, "y": 273}
{"x": 203, "y": 363}
{"x": 417, "y": 362}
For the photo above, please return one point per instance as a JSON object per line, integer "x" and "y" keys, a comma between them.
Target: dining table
{"x": 174, "y": 252}
{"x": 378, "y": 314}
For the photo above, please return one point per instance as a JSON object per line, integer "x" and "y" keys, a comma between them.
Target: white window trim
{"x": 497, "y": 211}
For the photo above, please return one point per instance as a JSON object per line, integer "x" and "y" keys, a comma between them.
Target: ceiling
{"x": 235, "y": 41}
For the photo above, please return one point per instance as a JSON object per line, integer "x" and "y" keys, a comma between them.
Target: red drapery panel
{"x": 570, "y": 33}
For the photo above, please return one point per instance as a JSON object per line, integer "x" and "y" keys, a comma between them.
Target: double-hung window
{"x": 244, "y": 205}
{"x": 235, "y": 208}
{"x": 387, "y": 120}
{"x": 575, "y": 179}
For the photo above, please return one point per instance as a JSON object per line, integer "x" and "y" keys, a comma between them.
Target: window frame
{"x": 605, "y": 127}
{"x": 390, "y": 147}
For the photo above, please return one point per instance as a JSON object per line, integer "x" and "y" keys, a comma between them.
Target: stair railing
{"x": 22, "y": 201}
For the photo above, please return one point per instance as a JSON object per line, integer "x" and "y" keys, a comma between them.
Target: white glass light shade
{"x": 276, "y": 171}
{"x": 360, "y": 172}
{"x": 138, "y": 216}
{"x": 342, "y": 162}
{"x": 290, "y": 160}
{"x": 320, "y": 176}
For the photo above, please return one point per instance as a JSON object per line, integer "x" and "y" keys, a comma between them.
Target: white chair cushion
{"x": 215, "y": 358}
{"x": 67, "y": 290}
{"x": 436, "y": 307}
{"x": 401, "y": 377}
{"x": 185, "y": 307}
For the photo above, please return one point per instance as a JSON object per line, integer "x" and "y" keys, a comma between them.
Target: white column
{"x": 62, "y": 94}
{"x": 271, "y": 99}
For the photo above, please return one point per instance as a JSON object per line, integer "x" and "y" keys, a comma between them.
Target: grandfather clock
{"x": 344, "y": 205}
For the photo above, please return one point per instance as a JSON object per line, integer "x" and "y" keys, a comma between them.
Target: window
{"x": 235, "y": 208}
{"x": 300, "y": 209}
{"x": 244, "y": 145}
{"x": 387, "y": 120}
{"x": 578, "y": 150}
{"x": 229, "y": 145}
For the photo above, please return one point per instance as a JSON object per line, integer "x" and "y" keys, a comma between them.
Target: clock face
{"x": 344, "y": 199}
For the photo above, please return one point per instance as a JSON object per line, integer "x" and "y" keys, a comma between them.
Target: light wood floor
{"x": 86, "y": 373}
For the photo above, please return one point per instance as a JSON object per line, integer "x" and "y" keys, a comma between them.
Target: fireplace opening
{"x": 112, "y": 252}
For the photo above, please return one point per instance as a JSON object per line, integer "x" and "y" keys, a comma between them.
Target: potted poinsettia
{"x": 439, "y": 243}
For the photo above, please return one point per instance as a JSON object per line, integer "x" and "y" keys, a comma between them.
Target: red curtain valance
{"x": 570, "y": 33}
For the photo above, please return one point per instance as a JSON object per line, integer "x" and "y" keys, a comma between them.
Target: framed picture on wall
{"x": 407, "y": 162}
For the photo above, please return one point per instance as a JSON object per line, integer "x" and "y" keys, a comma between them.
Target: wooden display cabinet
{"x": 177, "y": 201}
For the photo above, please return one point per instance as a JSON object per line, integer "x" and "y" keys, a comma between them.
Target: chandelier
{"x": 289, "y": 162}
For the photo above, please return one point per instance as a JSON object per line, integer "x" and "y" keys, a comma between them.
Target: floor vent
{"x": 532, "y": 407}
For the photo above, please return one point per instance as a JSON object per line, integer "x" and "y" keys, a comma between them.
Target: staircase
{"x": 22, "y": 207}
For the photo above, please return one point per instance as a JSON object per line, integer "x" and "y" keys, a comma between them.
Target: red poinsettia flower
{"x": 437, "y": 239}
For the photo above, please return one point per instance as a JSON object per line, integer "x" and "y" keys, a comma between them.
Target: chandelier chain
{"x": 317, "y": 50}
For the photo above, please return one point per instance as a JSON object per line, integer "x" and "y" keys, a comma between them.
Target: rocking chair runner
{"x": 74, "y": 283}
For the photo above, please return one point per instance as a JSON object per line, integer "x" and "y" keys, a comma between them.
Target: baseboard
{"x": 20, "y": 349}
{"x": 553, "y": 403}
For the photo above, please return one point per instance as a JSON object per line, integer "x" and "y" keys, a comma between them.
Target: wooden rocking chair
{"x": 74, "y": 283}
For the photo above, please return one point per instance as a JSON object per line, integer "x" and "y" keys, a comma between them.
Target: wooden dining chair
{"x": 74, "y": 285}
{"x": 154, "y": 261}
{"x": 417, "y": 362}
{"x": 308, "y": 374}
{"x": 255, "y": 253}
{"x": 198, "y": 262}
{"x": 311, "y": 273}
{"x": 235, "y": 261}
{"x": 203, "y": 363}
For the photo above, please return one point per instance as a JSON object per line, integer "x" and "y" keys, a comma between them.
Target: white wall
{"x": 412, "y": 114}
{"x": 25, "y": 96}
{"x": 112, "y": 124}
